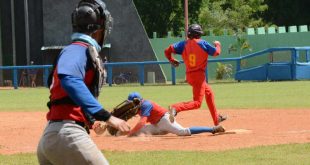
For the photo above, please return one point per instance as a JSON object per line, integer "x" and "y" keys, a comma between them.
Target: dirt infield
{"x": 20, "y": 132}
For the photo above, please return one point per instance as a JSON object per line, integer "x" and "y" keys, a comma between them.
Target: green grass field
{"x": 293, "y": 154}
{"x": 245, "y": 95}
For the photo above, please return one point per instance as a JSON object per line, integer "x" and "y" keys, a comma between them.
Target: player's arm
{"x": 145, "y": 112}
{"x": 218, "y": 50}
{"x": 71, "y": 75}
{"x": 176, "y": 48}
{"x": 79, "y": 93}
{"x": 211, "y": 50}
{"x": 138, "y": 126}
{"x": 168, "y": 53}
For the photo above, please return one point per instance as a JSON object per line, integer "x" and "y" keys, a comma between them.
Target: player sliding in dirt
{"x": 160, "y": 124}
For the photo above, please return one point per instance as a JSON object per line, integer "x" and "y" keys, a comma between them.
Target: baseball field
{"x": 268, "y": 123}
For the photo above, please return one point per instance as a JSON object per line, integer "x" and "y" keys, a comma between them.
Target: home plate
{"x": 237, "y": 131}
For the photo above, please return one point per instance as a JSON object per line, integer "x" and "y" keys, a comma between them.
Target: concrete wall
{"x": 57, "y": 21}
{"x": 129, "y": 41}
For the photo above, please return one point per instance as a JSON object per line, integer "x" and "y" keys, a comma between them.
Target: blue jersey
{"x": 72, "y": 77}
{"x": 152, "y": 111}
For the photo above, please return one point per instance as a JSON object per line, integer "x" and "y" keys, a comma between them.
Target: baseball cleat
{"x": 172, "y": 112}
{"x": 221, "y": 118}
{"x": 218, "y": 129}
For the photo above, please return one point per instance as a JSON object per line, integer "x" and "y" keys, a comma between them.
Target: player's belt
{"x": 82, "y": 124}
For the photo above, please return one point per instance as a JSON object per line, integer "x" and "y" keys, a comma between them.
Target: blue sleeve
{"x": 179, "y": 47}
{"x": 73, "y": 62}
{"x": 146, "y": 108}
{"x": 79, "y": 93}
{"x": 207, "y": 47}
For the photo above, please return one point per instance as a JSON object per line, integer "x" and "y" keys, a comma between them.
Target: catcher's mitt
{"x": 125, "y": 110}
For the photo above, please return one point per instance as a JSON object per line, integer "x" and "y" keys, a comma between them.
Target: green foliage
{"x": 231, "y": 14}
{"x": 241, "y": 44}
{"x": 162, "y": 16}
{"x": 223, "y": 71}
{"x": 287, "y": 12}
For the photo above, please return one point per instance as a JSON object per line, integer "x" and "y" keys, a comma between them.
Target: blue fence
{"x": 296, "y": 68}
{"x": 109, "y": 66}
{"x": 16, "y": 68}
{"x": 141, "y": 69}
{"x": 295, "y": 51}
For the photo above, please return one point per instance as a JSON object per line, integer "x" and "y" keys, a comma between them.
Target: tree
{"x": 288, "y": 12}
{"x": 162, "y": 16}
{"x": 231, "y": 14}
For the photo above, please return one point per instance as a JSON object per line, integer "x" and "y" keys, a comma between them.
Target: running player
{"x": 195, "y": 53}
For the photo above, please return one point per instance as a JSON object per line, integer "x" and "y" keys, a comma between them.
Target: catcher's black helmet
{"x": 194, "y": 31}
{"x": 91, "y": 15}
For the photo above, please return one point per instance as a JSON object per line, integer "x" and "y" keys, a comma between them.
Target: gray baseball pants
{"x": 67, "y": 143}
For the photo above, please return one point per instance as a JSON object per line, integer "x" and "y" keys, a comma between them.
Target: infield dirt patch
{"x": 20, "y": 132}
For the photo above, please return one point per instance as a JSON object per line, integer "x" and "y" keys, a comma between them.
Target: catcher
{"x": 158, "y": 118}
{"x": 74, "y": 84}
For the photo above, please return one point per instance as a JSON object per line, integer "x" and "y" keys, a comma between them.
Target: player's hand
{"x": 99, "y": 127}
{"x": 119, "y": 124}
{"x": 216, "y": 43}
{"x": 174, "y": 63}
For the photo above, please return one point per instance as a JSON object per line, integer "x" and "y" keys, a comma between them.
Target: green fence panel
{"x": 303, "y": 28}
{"x": 292, "y": 29}
{"x": 261, "y": 30}
{"x": 154, "y": 35}
{"x": 271, "y": 30}
{"x": 281, "y": 29}
{"x": 250, "y": 31}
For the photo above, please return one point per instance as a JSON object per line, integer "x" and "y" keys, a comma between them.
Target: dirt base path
{"x": 20, "y": 132}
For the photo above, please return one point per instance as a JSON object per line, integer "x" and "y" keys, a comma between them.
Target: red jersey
{"x": 67, "y": 111}
{"x": 152, "y": 111}
{"x": 194, "y": 53}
